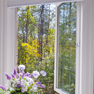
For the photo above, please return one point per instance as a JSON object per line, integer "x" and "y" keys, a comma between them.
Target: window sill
{"x": 60, "y": 91}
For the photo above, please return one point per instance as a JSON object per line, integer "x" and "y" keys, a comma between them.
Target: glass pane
{"x": 67, "y": 47}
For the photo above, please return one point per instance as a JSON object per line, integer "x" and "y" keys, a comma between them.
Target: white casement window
{"x": 73, "y": 53}
{"x": 66, "y": 38}
{"x": 77, "y": 62}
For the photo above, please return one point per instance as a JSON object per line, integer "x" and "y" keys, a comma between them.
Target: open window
{"x": 85, "y": 21}
{"x": 65, "y": 48}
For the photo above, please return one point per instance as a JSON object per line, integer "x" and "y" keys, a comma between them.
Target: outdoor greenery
{"x": 36, "y": 37}
{"x": 36, "y": 42}
{"x": 67, "y": 47}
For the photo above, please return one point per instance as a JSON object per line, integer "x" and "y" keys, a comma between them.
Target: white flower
{"x": 35, "y": 87}
{"x": 30, "y": 80}
{"x": 28, "y": 84}
{"x": 36, "y": 74}
{"x": 43, "y": 73}
{"x": 17, "y": 81}
{"x": 11, "y": 89}
{"x": 20, "y": 74}
{"x": 24, "y": 89}
{"x": 21, "y": 67}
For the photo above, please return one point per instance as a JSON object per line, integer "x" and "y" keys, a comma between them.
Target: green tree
{"x": 36, "y": 41}
{"x": 67, "y": 47}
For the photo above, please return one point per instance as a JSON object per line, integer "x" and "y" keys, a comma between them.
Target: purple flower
{"x": 38, "y": 82}
{"x": 23, "y": 75}
{"x": 36, "y": 74}
{"x": 13, "y": 76}
{"x": 15, "y": 72}
{"x": 40, "y": 85}
{"x": 18, "y": 85}
{"x": 31, "y": 75}
{"x": 27, "y": 74}
{"x": 8, "y": 77}
{"x": 17, "y": 75}
{"x": 20, "y": 71}
{"x": 2, "y": 87}
{"x": 43, "y": 73}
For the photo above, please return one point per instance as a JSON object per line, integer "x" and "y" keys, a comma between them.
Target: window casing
{"x": 84, "y": 25}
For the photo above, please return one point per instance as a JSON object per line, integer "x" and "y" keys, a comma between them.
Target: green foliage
{"x": 36, "y": 40}
{"x": 67, "y": 47}
{"x": 1, "y": 90}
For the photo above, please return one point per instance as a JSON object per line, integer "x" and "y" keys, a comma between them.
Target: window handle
{"x": 78, "y": 45}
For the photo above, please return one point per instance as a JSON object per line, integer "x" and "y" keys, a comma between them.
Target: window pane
{"x": 67, "y": 47}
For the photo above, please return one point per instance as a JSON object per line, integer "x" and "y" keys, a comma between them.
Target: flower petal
{"x": 43, "y": 73}
{"x": 15, "y": 72}
{"x": 36, "y": 74}
{"x": 8, "y": 77}
{"x": 13, "y": 76}
{"x": 2, "y": 87}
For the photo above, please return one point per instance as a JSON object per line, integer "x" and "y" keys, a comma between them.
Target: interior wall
{"x": 87, "y": 47}
{"x": 8, "y": 40}
{"x": 3, "y": 38}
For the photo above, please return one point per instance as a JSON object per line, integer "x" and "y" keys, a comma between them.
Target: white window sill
{"x": 60, "y": 91}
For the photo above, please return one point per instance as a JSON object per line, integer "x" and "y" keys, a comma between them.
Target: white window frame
{"x": 56, "y": 39}
{"x": 56, "y": 51}
{"x": 82, "y": 87}
{"x": 16, "y": 3}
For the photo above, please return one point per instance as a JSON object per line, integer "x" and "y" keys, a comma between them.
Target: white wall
{"x": 8, "y": 37}
{"x": 3, "y": 38}
{"x": 87, "y": 47}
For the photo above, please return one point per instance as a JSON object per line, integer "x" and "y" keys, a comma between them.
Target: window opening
{"x": 36, "y": 37}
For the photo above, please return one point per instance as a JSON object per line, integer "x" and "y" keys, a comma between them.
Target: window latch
{"x": 78, "y": 45}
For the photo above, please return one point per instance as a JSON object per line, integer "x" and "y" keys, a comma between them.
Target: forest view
{"x": 36, "y": 42}
{"x": 67, "y": 47}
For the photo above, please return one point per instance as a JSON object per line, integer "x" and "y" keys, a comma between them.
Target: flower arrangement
{"x": 23, "y": 83}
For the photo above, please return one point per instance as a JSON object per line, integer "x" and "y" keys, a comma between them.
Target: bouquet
{"x": 23, "y": 83}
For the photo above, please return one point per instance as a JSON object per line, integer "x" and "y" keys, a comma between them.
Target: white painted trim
{"x": 56, "y": 50}
{"x": 8, "y": 37}
{"x": 60, "y": 91}
{"x": 85, "y": 75}
{"x": 3, "y": 38}
{"x": 87, "y": 47}
{"x": 16, "y": 3}
{"x": 12, "y": 29}
{"x": 78, "y": 49}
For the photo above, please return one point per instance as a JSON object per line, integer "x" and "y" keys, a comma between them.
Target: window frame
{"x": 16, "y": 3}
{"x": 78, "y": 50}
{"x": 85, "y": 22}
{"x": 78, "y": 89}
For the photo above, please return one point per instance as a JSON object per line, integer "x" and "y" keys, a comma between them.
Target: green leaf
{"x": 1, "y": 89}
